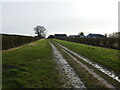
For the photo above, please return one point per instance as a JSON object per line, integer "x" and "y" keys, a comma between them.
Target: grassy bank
{"x": 106, "y": 57}
{"x": 30, "y": 66}
{"x": 11, "y": 41}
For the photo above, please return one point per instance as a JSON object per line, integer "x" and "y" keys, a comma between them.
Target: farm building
{"x": 95, "y": 35}
{"x": 73, "y": 36}
{"x": 60, "y": 35}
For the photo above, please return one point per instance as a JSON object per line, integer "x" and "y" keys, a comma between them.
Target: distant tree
{"x": 51, "y": 36}
{"x": 40, "y": 31}
{"x": 115, "y": 35}
{"x": 80, "y": 34}
{"x": 106, "y": 35}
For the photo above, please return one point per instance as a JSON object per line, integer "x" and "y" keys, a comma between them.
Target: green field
{"x": 106, "y": 57}
{"x": 33, "y": 66}
{"x": 30, "y": 66}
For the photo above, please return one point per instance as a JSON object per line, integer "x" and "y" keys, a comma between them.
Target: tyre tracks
{"x": 74, "y": 80}
{"x": 97, "y": 66}
{"x": 91, "y": 71}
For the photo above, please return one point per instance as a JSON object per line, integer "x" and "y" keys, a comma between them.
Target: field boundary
{"x": 20, "y": 46}
{"x": 112, "y": 43}
{"x": 11, "y": 41}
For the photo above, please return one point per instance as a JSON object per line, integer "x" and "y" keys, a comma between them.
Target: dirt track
{"x": 70, "y": 71}
{"x": 67, "y": 70}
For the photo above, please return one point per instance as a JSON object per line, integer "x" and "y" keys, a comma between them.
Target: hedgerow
{"x": 102, "y": 42}
{"x": 11, "y": 41}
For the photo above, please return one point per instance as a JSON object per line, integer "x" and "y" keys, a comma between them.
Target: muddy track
{"x": 97, "y": 66}
{"x": 67, "y": 70}
{"x": 91, "y": 71}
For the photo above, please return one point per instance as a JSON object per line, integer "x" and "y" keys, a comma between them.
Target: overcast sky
{"x": 59, "y": 16}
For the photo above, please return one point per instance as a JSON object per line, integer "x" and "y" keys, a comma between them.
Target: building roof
{"x": 95, "y": 35}
{"x": 63, "y": 35}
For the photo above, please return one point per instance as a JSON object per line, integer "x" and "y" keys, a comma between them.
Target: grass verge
{"x": 31, "y": 66}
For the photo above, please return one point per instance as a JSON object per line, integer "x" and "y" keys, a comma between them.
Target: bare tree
{"x": 40, "y": 31}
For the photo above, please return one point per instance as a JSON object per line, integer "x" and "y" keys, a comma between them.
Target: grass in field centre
{"x": 104, "y": 56}
{"x": 30, "y": 66}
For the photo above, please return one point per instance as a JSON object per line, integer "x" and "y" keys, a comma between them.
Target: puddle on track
{"x": 74, "y": 80}
{"x": 91, "y": 71}
{"x": 99, "y": 67}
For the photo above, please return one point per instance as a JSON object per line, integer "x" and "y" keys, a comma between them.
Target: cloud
{"x": 96, "y": 16}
